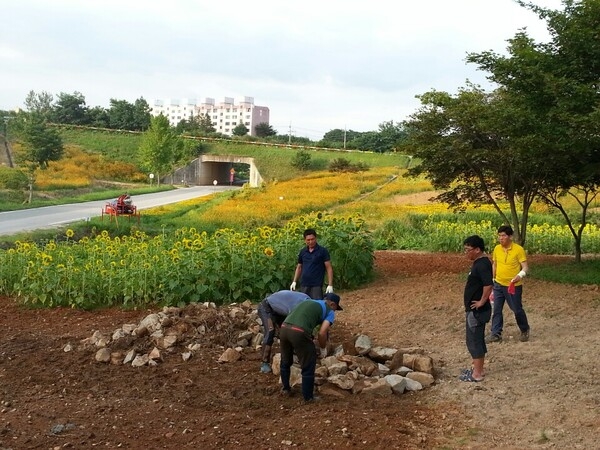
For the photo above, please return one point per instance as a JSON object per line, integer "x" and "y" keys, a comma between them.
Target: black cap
{"x": 335, "y": 299}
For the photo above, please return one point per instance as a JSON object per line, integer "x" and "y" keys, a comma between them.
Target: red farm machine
{"x": 121, "y": 206}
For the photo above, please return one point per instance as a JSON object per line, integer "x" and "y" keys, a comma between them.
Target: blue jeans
{"x": 515, "y": 303}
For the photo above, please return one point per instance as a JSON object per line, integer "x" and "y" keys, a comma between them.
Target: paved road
{"x": 13, "y": 222}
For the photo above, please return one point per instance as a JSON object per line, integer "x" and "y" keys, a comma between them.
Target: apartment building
{"x": 225, "y": 115}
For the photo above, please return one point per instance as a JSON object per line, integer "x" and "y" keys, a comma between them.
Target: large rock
{"x": 375, "y": 387}
{"x": 418, "y": 363}
{"x": 103, "y": 355}
{"x": 397, "y": 383}
{"x": 361, "y": 364}
{"x": 345, "y": 381}
{"x": 229, "y": 355}
{"x": 363, "y": 344}
{"x": 426, "y": 379}
{"x": 381, "y": 354}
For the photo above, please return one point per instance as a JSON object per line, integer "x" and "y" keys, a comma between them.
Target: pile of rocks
{"x": 356, "y": 366}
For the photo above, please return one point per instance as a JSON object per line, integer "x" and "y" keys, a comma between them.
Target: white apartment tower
{"x": 225, "y": 115}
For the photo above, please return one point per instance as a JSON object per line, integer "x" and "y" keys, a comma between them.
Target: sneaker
{"x": 312, "y": 400}
{"x": 493, "y": 338}
{"x": 524, "y": 336}
{"x": 265, "y": 368}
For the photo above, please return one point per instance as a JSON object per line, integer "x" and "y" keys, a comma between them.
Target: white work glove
{"x": 323, "y": 352}
{"x": 293, "y": 286}
{"x": 329, "y": 289}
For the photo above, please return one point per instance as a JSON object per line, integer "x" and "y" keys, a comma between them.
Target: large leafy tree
{"x": 466, "y": 152}
{"x": 240, "y": 130}
{"x": 263, "y": 129}
{"x": 39, "y": 103}
{"x": 196, "y": 125}
{"x": 98, "y": 117}
{"x": 141, "y": 115}
{"x": 205, "y": 124}
{"x": 161, "y": 148}
{"x": 71, "y": 109}
{"x": 123, "y": 115}
{"x": 555, "y": 87}
{"x": 340, "y": 137}
{"x": 41, "y": 145}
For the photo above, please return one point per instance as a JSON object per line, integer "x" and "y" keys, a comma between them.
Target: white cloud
{"x": 318, "y": 65}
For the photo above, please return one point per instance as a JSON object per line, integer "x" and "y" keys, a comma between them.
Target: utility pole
{"x": 344, "y": 137}
{"x": 8, "y": 153}
{"x": 290, "y": 134}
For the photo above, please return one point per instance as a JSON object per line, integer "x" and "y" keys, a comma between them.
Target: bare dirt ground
{"x": 540, "y": 394}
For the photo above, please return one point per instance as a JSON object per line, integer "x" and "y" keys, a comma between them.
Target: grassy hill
{"x": 274, "y": 163}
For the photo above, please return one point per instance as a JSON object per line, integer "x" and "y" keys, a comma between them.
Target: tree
{"x": 98, "y": 117}
{"x": 466, "y": 151}
{"x": 39, "y": 103}
{"x": 41, "y": 145}
{"x": 160, "y": 148}
{"x": 339, "y": 138}
{"x": 240, "y": 130}
{"x": 205, "y": 125}
{"x": 141, "y": 115}
{"x": 555, "y": 86}
{"x": 391, "y": 135}
{"x": 263, "y": 129}
{"x": 120, "y": 114}
{"x": 123, "y": 115}
{"x": 71, "y": 109}
{"x": 301, "y": 160}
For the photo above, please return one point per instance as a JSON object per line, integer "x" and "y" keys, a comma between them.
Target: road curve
{"x": 12, "y": 222}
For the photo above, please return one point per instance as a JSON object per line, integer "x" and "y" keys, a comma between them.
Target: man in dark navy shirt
{"x": 478, "y": 310}
{"x": 313, "y": 262}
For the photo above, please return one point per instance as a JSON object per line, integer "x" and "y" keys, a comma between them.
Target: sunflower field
{"x": 181, "y": 267}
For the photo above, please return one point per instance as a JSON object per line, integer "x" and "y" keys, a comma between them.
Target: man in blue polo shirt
{"x": 313, "y": 262}
{"x": 296, "y": 336}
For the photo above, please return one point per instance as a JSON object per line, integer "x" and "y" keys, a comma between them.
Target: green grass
{"x": 275, "y": 163}
{"x": 115, "y": 145}
{"x": 586, "y": 272}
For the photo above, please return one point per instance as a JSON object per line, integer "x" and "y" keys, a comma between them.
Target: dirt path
{"x": 539, "y": 394}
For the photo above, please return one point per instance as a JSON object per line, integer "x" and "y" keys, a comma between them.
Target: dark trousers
{"x": 515, "y": 303}
{"x": 314, "y": 292}
{"x": 292, "y": 341}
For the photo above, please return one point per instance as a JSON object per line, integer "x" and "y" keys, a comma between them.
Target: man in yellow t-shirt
{"x": 509, "y": 266}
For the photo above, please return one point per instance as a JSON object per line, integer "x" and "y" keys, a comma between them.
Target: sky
{"x": 317, "y": 65}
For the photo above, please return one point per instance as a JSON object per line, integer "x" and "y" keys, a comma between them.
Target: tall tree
{"x": 70, "y": 109}
{"x": 98, "y": 117}
{"x": 205, "y": 125}
{"x": 41, "y": 145}
{"x": 161, "y": 148}
{"x": 466, "y": 152}
{"x": 555, "y": 86}
{"x": 263, "y": 129}
{"x": 39, "y": 103}
{"x": 121, "y": 115}
{"x": 141, "y": 115}
{"x": 240, "y": 130}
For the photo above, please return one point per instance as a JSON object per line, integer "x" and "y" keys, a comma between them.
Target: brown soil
{"x": 540, "y": 394}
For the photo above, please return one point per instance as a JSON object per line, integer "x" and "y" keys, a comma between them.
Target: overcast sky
{"x": 318, "y": 65}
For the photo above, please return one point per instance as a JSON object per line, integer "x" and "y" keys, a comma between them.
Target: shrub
{"x": 301, "y": 160}
{"x": 12, "y": 179}
{"x": 344, "y": 165}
